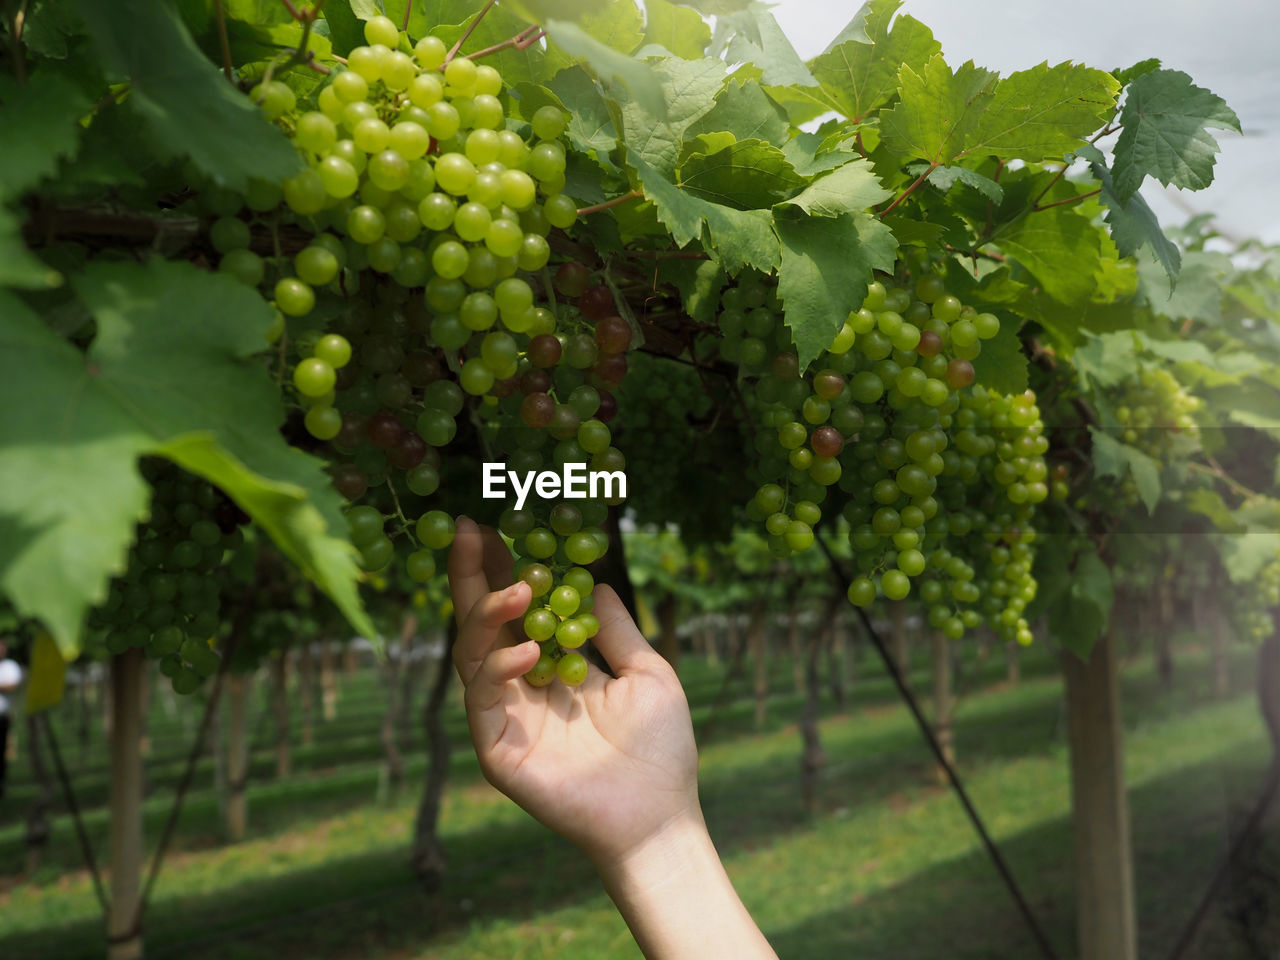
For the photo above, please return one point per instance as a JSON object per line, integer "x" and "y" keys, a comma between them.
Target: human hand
{"x": 610, "y": 764}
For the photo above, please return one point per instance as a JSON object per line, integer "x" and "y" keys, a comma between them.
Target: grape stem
{"x": 453, "y": 52}
{"x": 1036, "y": 208}
{"x": 223, "y": 41}
{"x": 396, "y": 500}
{"x": 521, "y": 41}
{"x": 910, "y": 190}
{"x": 408, "y": 9}
{"x": 615, "y": 202}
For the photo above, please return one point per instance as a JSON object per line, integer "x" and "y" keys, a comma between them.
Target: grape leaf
{"x": 638, "y": 79}
{"x": 688, "y": 89}
{"x": 1133, "y": 223}
{"x": 166, "y": 374}
{"x": 746, "y": 111}
{"x": 848, "y": 188}
{"x": 40, "y": 124}
{"x": 591, "y": 127}
{"x": 1111, "y": 458}
{"x": 1141, "y": 68}
{"x": 736, "y": 238}
{"x": 1002, "y": 365}
{"x": 1166, "y": 121}
{"x": 545, "y": 11}
{"x": 49, "y": 24}
{"x": 171, "y": 81}
{"x": 944, "y": 178}
{"x": 936, "y": 111}
{"x": 1043, "y": 113}
{"x": 1198, "y": 295}
{"x": 1079, "y": 618}
{"x": 19, "y": 267}
{"x": 346, "y": 30}
{"x": 746, "y": 175}
{"x": 1245, "y": 554}
{"x": 817, "y": 251}
{"x": 1057, "y": 246}
{"x": 618, "y": 24}
{"x": 678, "y": 29}
{"x": 858, "y": 73}
{"x": 757, "y": 39}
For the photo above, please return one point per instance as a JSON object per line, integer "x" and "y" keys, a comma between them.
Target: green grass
{"x": 887, "y": 867}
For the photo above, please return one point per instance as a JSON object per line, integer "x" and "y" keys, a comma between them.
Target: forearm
{"x": 678, "y": 901}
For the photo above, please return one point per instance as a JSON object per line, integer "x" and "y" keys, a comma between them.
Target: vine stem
{"x": 408, "y": 9}
{"x": 1060, "y": 203}
{"x": 615, "y": 202}
{"x": 453, "y": 52}
{"x": 19, "y": 61}
{"x": 521, "y": 41}
{"x": 909, "y": 191}
{"x": 223, "y": 40}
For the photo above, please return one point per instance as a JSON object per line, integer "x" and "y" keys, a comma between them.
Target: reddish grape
{"x": 611, "y": 369}
{"x": 545, "y": 350}
{"x": 613, "y": 335}
{"x": 785, "y": 366}
{"x": 572, "y": 279}
{"x": 535, "y": 381}
{"x": 537, "y": 410}
{"x": 608, "y": 408}
{"x": 596, "y": 303}
{"x": 564, "y": 422}
{"x": 384, "y": 430}
{"x": 828, "y": 384}
{"x": 930, "y": 344}
{"x": 826, "y": 442}
{"x": 350, "y": 481}
{"x": 959, "y": 373}
{"x": 345, "y": 377}
{"x": 409, "y": 452}
{"x": 504, "y": 388}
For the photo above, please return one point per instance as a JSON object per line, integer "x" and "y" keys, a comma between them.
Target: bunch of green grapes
{"x": 1153, "y": 411}
{"x": 1253, "y": 613}
{"x": 169, "y": 598}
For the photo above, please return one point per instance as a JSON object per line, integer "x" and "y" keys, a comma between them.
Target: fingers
{"x": 467, "y": 578}
{"x": 497, "y": 559}
{"x": 619, "y": 642}
{"x": 479, "y": 630}
{"x": 488, "y": 686}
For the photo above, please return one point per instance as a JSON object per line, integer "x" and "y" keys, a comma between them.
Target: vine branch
{"x": 909, "y": 191}
{"x": 408, "y": 9}
{"x": 615, "y": 202}
{"x": 223, "y": 41}
{"x": 521, "y": 41}
{"x": 453, "y": 52}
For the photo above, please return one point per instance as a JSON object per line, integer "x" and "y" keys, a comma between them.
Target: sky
{"x": 1228, "y": 46}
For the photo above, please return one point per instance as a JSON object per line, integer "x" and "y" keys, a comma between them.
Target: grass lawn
{"x": 888, "y": 867}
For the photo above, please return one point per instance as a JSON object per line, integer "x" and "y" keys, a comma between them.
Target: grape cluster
{"x": 168, "y": 600}
{"x": 1253, "y": 613}
{"x": 1152, "y": 410}
{"x": 940, "y": 475}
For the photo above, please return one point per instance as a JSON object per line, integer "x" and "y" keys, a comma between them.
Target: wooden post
{"x": 1164, "y": 634}
{"x": 1012, "y": 663}
{"x": 793, "y": 644}
{"x": 1210, "y": 617}
{"x": 328, "y": 682}
{"x": 237, "y": 755}
{"x": 127, "y": 681}
{"x": 943, "y": 702}
{"x": 306, "y": 691}
{"x": 1105, "y": 917}
{"x": 901, "y": 645}
{"x": 280, "y": 707}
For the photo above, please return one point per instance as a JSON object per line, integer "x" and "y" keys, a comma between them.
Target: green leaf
{"x": 19, "y": 267}
{"x": 1111, "y": 458}
{"x": 1198, "y": 295}
{"x": 545, "y": 11}
{"x": 1002, "y": 365}
{"x": 805, "y": 152}
{"x": 1166, "y": 120}
{"x": 687, "y": 89}
{"x": 40, "y": 124}
{"x": 757, "y": 39}
{"x": 168, "y": 373}
{"x": 591, "y": 127}
{"x": 678, "y": 29}
{"x": 747, "y": 112}
{"x": 735, "y": 238}
{"x": 1253, "y": 405}
{"x": 1245, "y": 554}
{"x": 1133, "y": 223}
{"x": 846, "y": 189}
{"x": 49, "y": 25}
{"x": 171, "y": 82}
{"x": 1140, "y": 69}
{"x": 700, "y": 283}
{"x": 1043, "y": 113}
{"x": 944, "y": 178}
{"x": 936, "y": 111}
{"x": 1109, "y": 359}
{"x": 1059, "y": 247}
{"x": 638, "y": 79}
{"x": 1080, "y": 617}
{"x": 827, "y": 263}
{"x": 859, "y": 71}
{"x": 346, "y": 30}
{"x": 746, "y": 175}
{"x": 618, "y": 24}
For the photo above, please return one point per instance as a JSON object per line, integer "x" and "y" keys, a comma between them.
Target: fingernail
{"x": 462, "y": 521}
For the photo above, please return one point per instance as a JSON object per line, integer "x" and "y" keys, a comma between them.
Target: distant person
{"x": 612, "y": 764}
{"x": 10, "y": 680}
